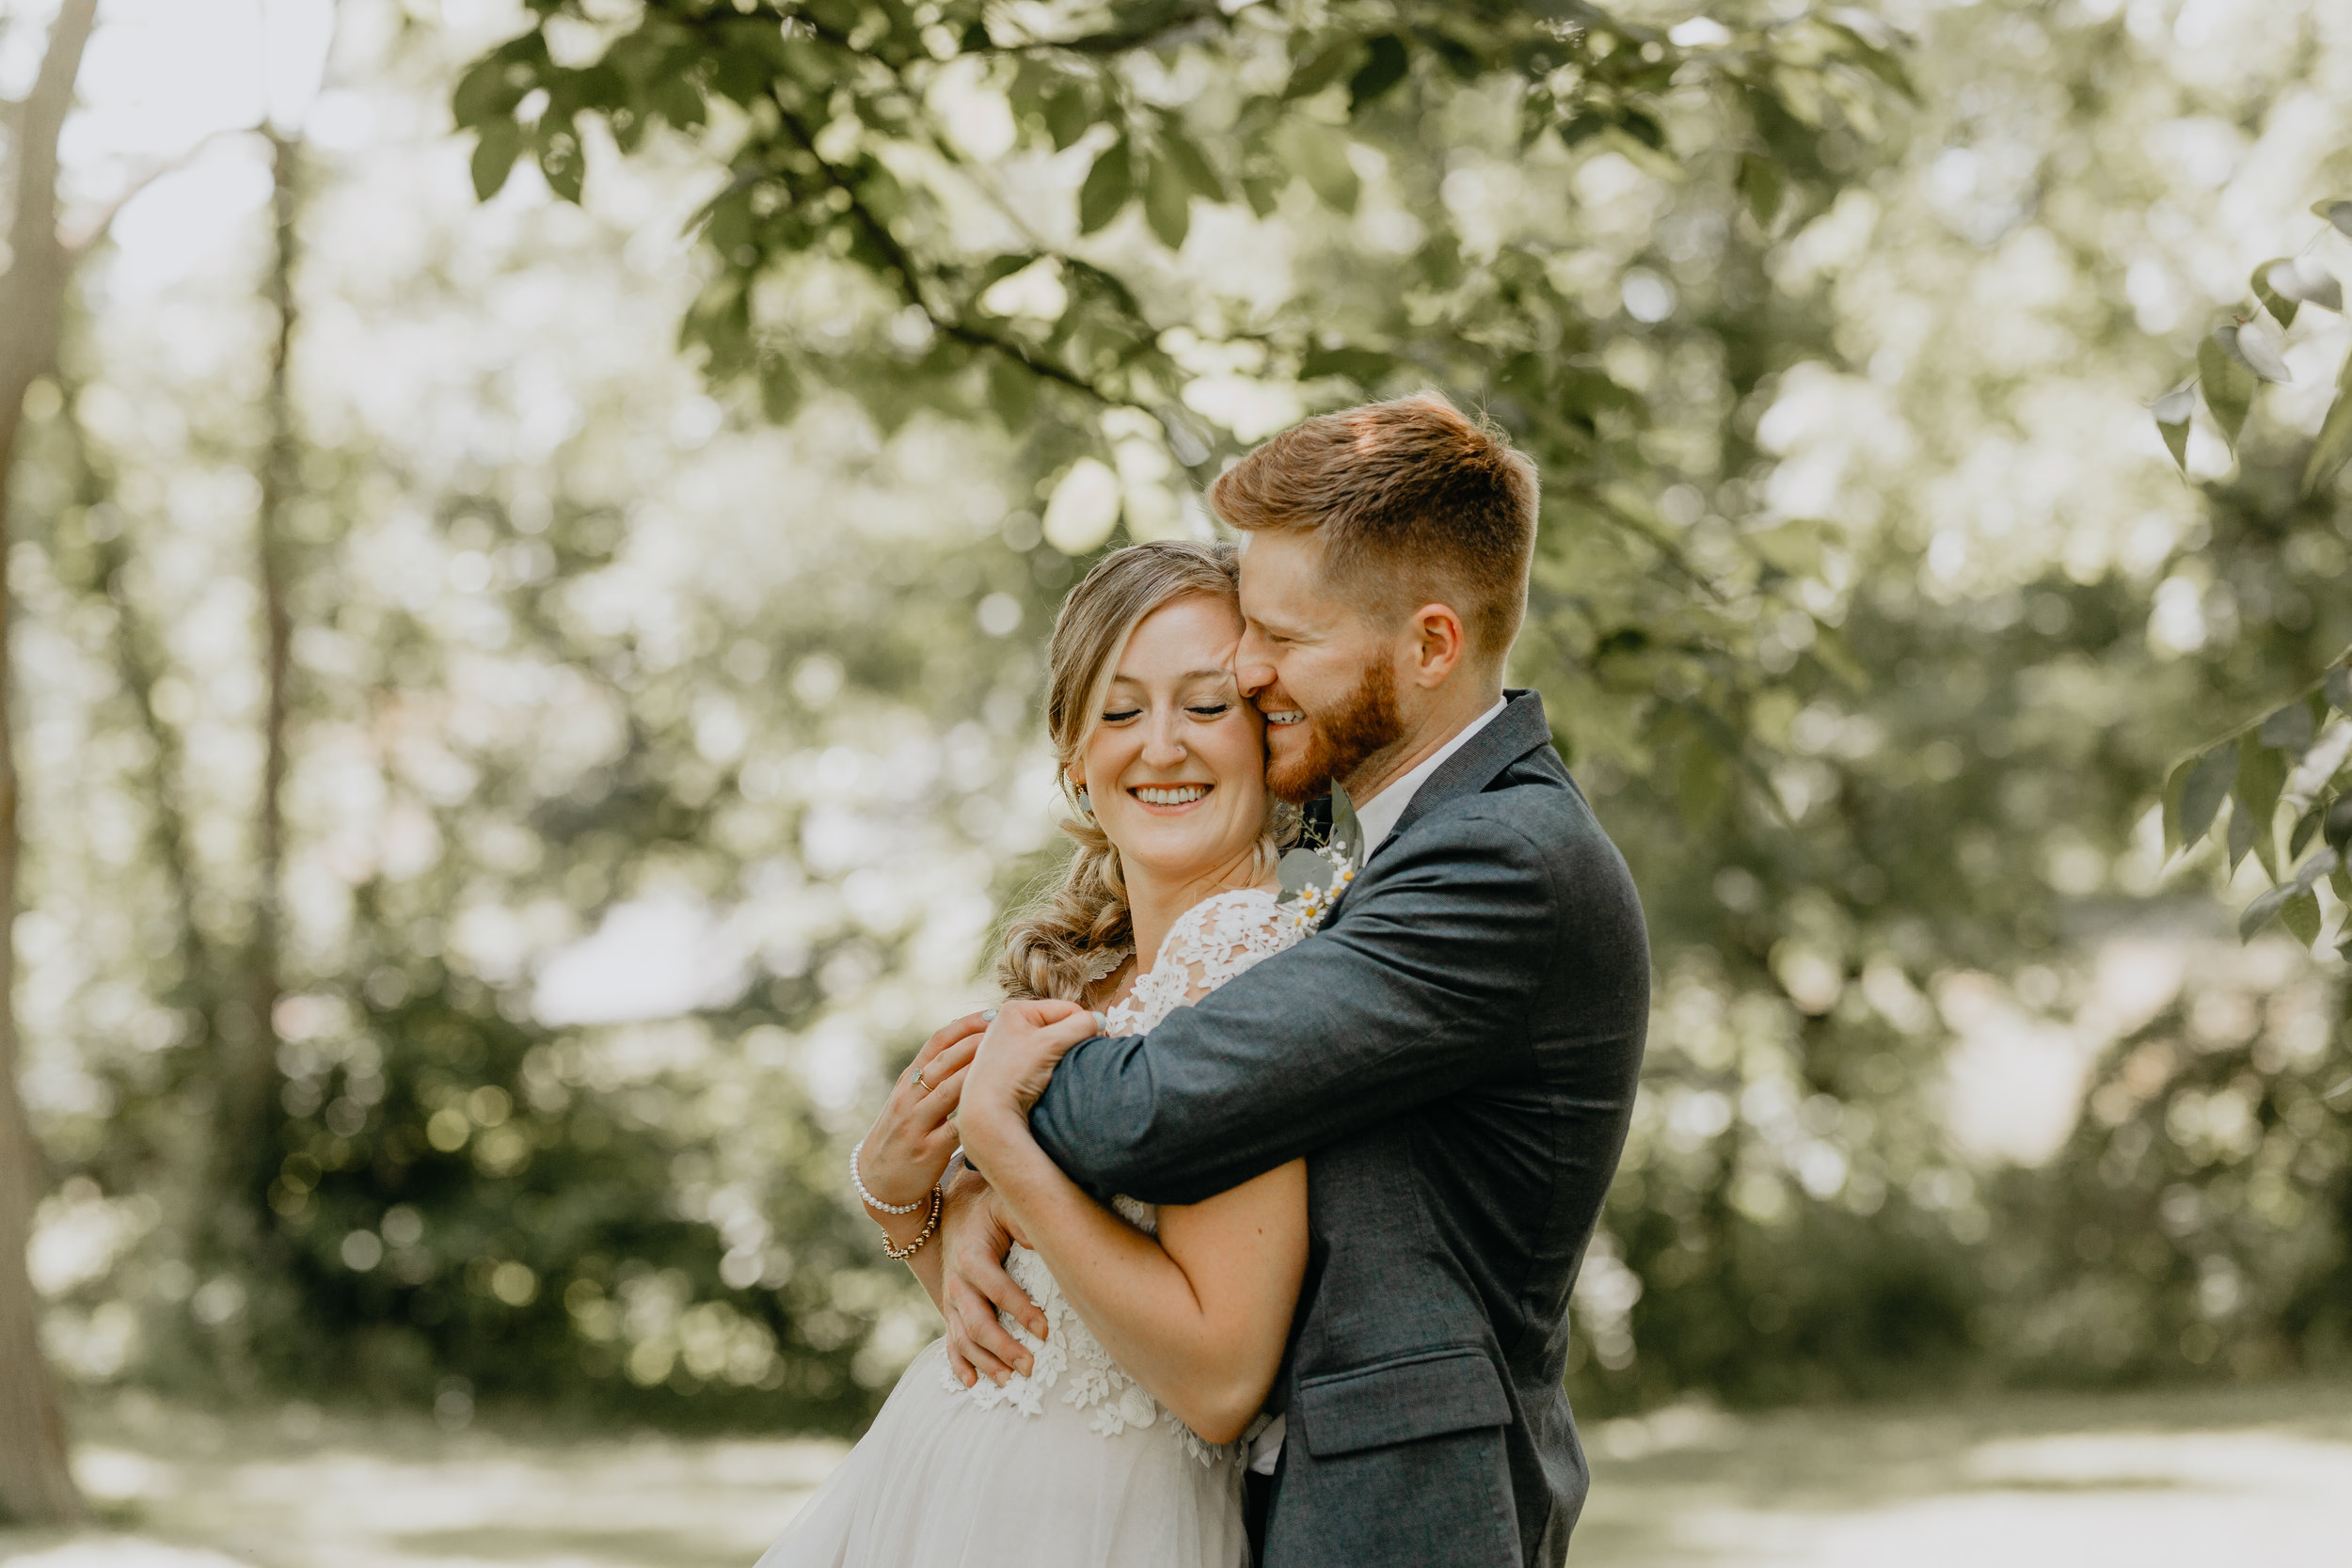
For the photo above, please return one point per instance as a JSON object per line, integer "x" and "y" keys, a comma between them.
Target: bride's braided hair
{"x": 1080, "y": 930}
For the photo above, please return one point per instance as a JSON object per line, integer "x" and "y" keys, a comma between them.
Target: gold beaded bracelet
{"x": 931, "y": 1228}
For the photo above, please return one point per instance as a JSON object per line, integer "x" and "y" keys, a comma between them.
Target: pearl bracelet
{"x": 931, "y": 1228}
{"x": 871, "y": 1201}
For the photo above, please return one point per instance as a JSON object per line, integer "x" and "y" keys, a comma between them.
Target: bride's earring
{"x": 1085, "y": 806}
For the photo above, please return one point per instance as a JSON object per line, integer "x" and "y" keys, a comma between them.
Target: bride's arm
{"x": 906, "y": 1152}
{"x": 1198, "y": 1316}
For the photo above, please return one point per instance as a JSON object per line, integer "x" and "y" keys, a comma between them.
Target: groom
{"x": 1454, "y": 1051}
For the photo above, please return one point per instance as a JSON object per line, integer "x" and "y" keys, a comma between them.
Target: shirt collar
{"x": 1379, "y": 815}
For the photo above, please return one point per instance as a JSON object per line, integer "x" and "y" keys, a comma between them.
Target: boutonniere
{"x": 1312, "y": 877}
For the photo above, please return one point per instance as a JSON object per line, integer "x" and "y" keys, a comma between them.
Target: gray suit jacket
{"x": 1456, "y": 1052}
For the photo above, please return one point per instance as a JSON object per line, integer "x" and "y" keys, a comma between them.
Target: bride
{"x": 1119, "y": 1438}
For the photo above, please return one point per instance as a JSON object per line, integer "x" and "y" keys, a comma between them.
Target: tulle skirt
{"x": 939, "y": 1482}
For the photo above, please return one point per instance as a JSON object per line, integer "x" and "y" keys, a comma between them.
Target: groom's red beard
{"x": 1340, "y": 738}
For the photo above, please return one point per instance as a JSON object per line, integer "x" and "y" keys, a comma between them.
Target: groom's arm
{"x": 1417, "y": 991}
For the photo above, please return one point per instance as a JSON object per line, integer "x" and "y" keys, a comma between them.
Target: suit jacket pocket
{"x": 1399, "y": 1400}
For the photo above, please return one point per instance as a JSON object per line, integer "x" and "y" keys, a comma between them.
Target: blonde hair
{"x": 1079, "y": 932}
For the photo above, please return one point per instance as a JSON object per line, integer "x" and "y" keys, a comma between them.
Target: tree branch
{"x": 79, "y": 244}
{"x": 910, "y": 276}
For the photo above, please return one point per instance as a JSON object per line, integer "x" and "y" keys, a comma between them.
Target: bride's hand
{"x": 1019, "y": 1054}
{"x": 910, "y": 1142}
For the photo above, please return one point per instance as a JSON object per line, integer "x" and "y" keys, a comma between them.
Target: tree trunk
{"x": 36, "y": 1483}
{"x": 252, "y": 1072}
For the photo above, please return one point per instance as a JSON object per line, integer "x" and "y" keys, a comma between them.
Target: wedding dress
{"x": 1074, "y": 1465}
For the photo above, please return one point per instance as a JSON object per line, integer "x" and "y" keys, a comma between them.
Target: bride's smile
{"x": 1174, "y": 765}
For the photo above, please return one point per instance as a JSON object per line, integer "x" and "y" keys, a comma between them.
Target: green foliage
{"x": 2238, "y": 358}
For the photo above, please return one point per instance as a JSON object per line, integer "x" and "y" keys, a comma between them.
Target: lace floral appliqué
{"x": 1216, "y": 939}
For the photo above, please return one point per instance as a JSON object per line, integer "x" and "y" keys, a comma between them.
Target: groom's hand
{"x": 974, "y": 1240}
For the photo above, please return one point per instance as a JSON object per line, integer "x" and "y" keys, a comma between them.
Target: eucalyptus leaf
{"x": 1346, "y": 830}
{"x": 2336, "y": 211}
{"x": 2337, "y": 683}
{"x": 1299, "y": 870}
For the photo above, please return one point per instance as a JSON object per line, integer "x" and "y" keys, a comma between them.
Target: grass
{"x": 2206, "y": 1475}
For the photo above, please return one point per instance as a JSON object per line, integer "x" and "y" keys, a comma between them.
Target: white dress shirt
{"x": 1379, "y": 817}
{"x": 1381, "y": 813}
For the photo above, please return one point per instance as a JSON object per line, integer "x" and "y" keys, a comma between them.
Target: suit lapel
{"x": 1518, "y": 729}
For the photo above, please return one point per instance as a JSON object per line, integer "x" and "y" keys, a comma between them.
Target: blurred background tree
{"x": 502, "y": 794}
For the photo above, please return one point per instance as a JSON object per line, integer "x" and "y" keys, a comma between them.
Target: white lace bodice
{"x": 1211, "y": 942}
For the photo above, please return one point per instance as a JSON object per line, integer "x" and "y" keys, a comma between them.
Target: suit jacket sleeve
{"x": 1418, "y": 989}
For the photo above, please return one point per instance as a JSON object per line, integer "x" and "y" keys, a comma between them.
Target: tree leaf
{"x": 2338, "y": 685}
{"x": 2302, "y": 281}
{"x": 780, "y": 391}
{"x": 2175, "y": 441}
{"x": 1068, "y": 113}
{"x": 2280, "y": 303}
{"x": 2251, "y": 346}
{"x": 2260, "y": 912}
{"x": 2241, "y": 833}
{"x": 1761, "y": 180}
{"x": 2338, "y": 212}
{"x": 1319, "y": 156}
{"x": 2262, "y": 773}
{"x": 494, "y": 157}
{"x": 2334, "y": 445}
{"x": 2337, "y": 826}
{"x": 2203, "y": 790}
{"x": 2305, "y": 826}
{"x": 2300, "y": 915}
{"x": 1167, "y": 202}
{"x": 1319, "y": 70}
{"x": 1192, "y": 163}
{"x": 562, "y": 164}
{"x": 1383, "y": 69}
{"x": 1012, "y": 393}
{"x": 1110, "y": 185}
{"x": 2227, "y": 385}
{"x": 2290, "y": 729}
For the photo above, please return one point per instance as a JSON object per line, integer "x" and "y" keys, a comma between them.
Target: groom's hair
{"x": 1415, "y": 502}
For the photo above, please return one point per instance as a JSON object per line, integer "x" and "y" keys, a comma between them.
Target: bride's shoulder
{"x": 1247, "y": 919}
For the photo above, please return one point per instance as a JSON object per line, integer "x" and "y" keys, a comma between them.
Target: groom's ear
{"x": 1439, "y": 643}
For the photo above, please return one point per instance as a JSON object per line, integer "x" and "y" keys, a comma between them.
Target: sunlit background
{"x": 441, "y": 1128}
